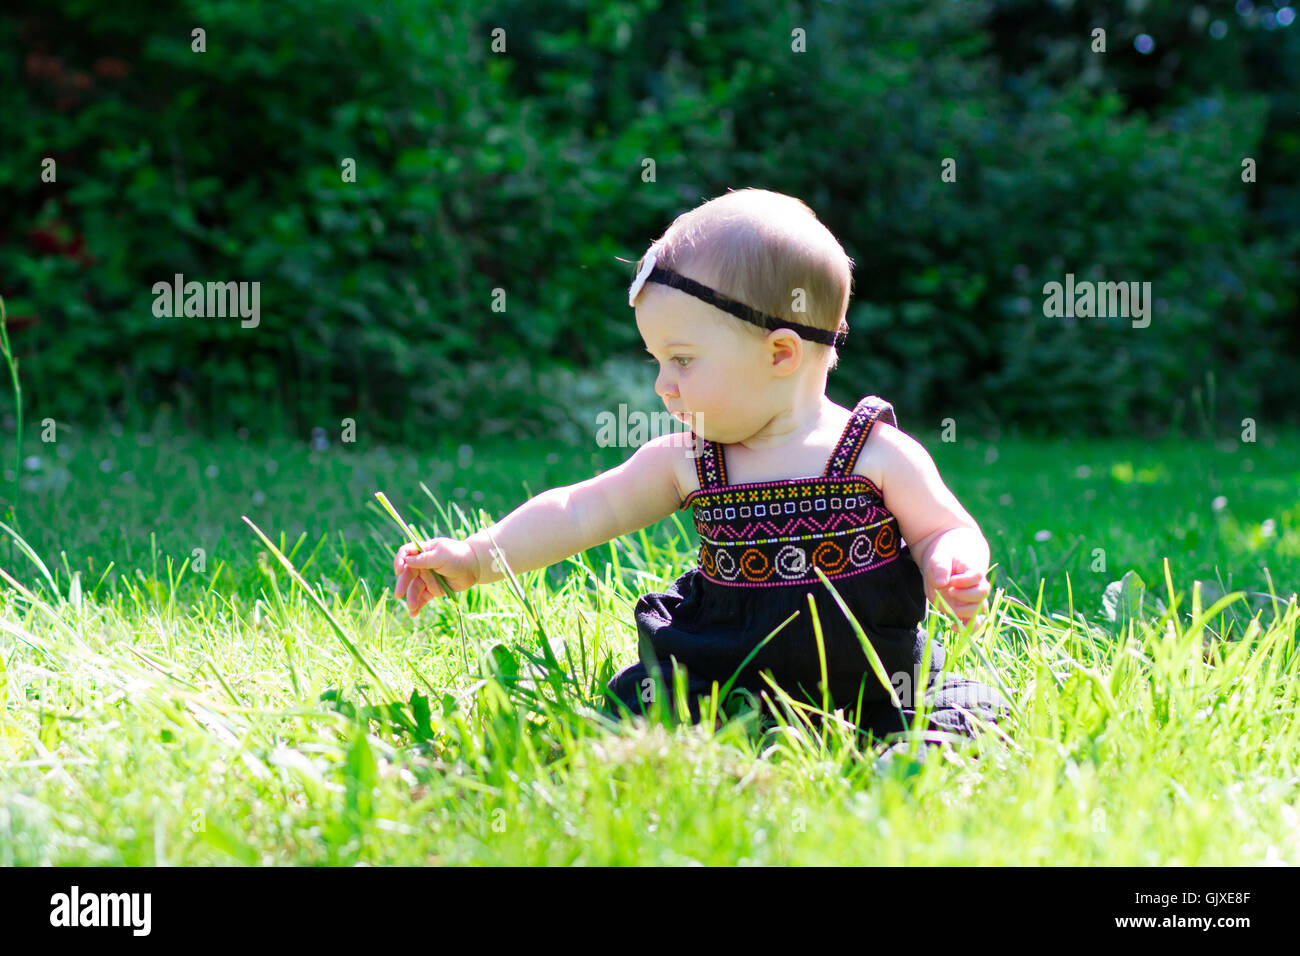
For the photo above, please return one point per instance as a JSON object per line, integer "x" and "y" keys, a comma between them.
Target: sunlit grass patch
{"x": 139, "y": 730}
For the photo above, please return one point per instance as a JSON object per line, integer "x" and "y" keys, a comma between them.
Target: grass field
{"x": 172, "y": 695}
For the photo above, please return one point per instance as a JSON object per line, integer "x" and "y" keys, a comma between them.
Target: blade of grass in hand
{"x": 410, "y": 533}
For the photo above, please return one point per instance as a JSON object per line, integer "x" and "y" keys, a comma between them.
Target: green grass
{"x": 154, "y": 712}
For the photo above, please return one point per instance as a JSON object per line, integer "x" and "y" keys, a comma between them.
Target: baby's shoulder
{"x": 677, "y": 448}
{"x": 880, "y": 454}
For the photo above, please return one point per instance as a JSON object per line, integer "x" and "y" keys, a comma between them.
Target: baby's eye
{"x": 681, "y": 358}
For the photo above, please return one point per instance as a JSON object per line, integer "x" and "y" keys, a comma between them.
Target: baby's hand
{"x": 956, "y": 580}
{"x": 454, "y": 560}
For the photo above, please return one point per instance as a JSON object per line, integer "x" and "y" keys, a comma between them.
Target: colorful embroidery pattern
{"x": 768, "y": 534}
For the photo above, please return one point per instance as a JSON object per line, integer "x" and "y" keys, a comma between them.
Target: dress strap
{"x": 710, "y": 467}
{"x": 864, "y": 417}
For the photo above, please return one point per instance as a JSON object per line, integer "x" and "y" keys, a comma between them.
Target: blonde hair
{"x": 758, "y": 247}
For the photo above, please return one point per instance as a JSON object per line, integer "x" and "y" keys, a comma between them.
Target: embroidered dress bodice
{"x": 771, "y": 533}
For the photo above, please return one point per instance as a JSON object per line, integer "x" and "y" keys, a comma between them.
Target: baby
{"x": 742, "y": 303}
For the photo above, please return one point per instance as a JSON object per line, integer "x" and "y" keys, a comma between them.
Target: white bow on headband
{"x": 644, "y": 274}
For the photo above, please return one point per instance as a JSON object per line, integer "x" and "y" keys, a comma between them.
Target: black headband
{"x": 740, "y": 310}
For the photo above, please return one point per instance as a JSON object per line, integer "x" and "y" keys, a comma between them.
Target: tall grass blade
{"x": 315, "y": 598}
{"x": 35, "y": 558}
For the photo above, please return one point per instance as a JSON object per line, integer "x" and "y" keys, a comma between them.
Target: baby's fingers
{"x": 962, "y": 601}
{"x": 976, "y": 591}
{"x": 423, "y": 590}
{"x": 415, "y": 596}
{"x": 413, "y": 577}
{"x": 404, "y": 552}
{"x": 964, "y": 609}
{"x": 431, "y": 584}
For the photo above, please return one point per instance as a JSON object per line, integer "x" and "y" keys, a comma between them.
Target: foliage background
{"x": 522, "y": 171}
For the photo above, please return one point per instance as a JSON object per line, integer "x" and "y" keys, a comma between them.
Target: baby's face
{"x": 715, "y": 375}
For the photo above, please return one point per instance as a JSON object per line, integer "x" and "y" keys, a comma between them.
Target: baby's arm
{"x": 945, "y": 541}
{"x": 564, "y": 521}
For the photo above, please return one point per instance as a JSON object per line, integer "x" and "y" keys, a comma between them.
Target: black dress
{"x": 758, "y": 544}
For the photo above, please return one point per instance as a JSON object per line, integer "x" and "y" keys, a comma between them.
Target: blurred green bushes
{"x": 522, "y": 171}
